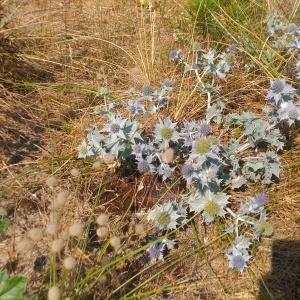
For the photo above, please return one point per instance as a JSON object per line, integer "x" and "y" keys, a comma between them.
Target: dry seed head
{"x": 35, "y": 234}
{"x": 24, "y": 245}
{"x": 51, "y": 181}
{"x": 115, "y": 242}
{"x": 75, "y": 172}
{"x": 60, "y": 199}
{"x": 97, "y": 165}
{"x": 102, "y": 232}
{"x": 52, "y": 228}
{"x": 64, "y": 235}
{"x": 76, "y": 229}
{"x": 57, "y": 245}
{"x": 102, "y": 220}
{"x": 168, "y": 156}
{"x": 140, "y": 229}
{"x": 69, "y": 263}
{"x": 54, "y": 293}
{"x": 102, "y": 279}
{"x": 108, "y": 158}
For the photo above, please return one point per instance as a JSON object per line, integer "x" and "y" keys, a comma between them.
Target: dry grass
{"x": 54, "y": 57}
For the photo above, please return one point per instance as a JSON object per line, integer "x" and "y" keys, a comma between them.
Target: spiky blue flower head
{"x": 135, "y": 108}
{"x": 207, "y": 175}
{"x": 238, "y": 258}
{"x": 165, "y": 131}
{"x": 210, "y": 204}
{"x": 167, "y": 84}
{"x": 145, "y": 165}
{"x": 115, "y": 127}
{"x": 260, "y": 200}
{"x": 289, "y": 112}
{"x": 241, "y": 242}
{"x": 165, "y": 171}
{"x": 167, "y": 216}
{"x": 147, "y": 90}
{"x": 139, "y": 149}
{"x": 232, "y": 48}
{"x": 95, "y": 139}
{"x": 204, "y": 148}
{"x": 210, "y": 57}
{"x": 176, "y": 56}
{"x": 189, "y": 172}
{"x": 203, "y": 128}
{"x": 85, "y": 150}
{"x": 157, "y": 251}
{"x": 280, "y": 91}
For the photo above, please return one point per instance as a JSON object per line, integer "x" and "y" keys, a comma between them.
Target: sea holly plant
{"x": 210, "y": 164}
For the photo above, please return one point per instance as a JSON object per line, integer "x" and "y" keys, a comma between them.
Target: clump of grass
{"x": 203, "y": 10}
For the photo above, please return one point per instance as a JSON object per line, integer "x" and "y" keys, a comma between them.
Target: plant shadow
{"x": 283, "y": 283}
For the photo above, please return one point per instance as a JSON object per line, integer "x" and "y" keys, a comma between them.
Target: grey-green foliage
{"x": 263, "y": 167}
{"x": 214, "y": 112}
{"x": 256, "y": 130}
{"x": 12, "y": 288}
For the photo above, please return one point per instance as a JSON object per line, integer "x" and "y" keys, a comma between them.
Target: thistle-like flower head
{"x": 165, "y": 131}
{"x": 238, "y": 258}
{"x": 85, "y": 150}
{"x": 167, "y": 216}
{"x": 210, "y": 204}
{"x": 279, "y": 91}
{"x": 289, "y": 112}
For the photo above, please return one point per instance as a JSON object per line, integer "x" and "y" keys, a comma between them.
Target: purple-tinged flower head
{"x": 238, "y": 258}
{"x": 188, "y": 172}
{"x": 260, "y": 199}
{"x": 115, "y": 127}
{"x": 135, "y": 108}
{"x": 145, "y": 165}
{"x": 165, "y": 171}
{"x": 167, "y": 215}
{"x": 158, "y": 250}
{"x": 176, "y": 56}
{"x": 155, "y": 252}
{"x": 147, "y": 90}
{"x": 241, "y": 243}
{"x": 289, "y": 112}
{"x": 167, "y": 84}
{"x": 232, "y": 48}
{"x": 210, "y": 204}
{"x": 204, "y": 148}
{"x": 279, "y": 91}
{"x": 165, "y": 131}
{"x": 204, "y": 129}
